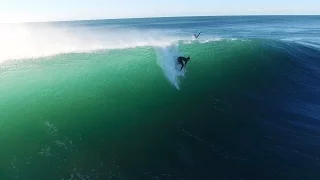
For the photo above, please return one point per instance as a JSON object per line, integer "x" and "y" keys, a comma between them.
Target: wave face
{"x": 106, "y": 99}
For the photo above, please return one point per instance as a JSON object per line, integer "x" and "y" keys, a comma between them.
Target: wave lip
{"x": 26, "y": 41}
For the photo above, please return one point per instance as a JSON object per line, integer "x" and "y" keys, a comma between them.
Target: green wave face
{"x": 131, "y": 114}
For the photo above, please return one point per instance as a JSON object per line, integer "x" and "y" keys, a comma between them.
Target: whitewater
{"x": 32, "y": 41}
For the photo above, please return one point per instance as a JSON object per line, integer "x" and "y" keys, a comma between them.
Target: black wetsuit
{"x": 196, "y": 36}
{"x": 183, "y": 61}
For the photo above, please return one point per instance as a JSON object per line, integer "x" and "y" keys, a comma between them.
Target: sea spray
{"x": 25, "y": 41}
{"x": 166, "y": 59}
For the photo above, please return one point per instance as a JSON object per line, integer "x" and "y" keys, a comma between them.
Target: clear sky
{"x": 52, "y": 10}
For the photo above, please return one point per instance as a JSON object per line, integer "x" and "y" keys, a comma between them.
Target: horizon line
{"x": 151, "y": 17}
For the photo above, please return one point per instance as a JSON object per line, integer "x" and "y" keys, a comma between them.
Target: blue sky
{"x": 51, "y": 10}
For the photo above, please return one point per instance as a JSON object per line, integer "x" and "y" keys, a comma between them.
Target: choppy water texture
{"x": 93, "y": 100}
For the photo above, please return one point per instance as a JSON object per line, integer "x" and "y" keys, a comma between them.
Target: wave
{"x": 27, "y": 41}
{"x": 259, "y": 90}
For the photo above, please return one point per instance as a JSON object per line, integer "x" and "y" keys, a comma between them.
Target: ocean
{"x": 105, "y": 99}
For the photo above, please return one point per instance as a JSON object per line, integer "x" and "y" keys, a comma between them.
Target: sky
{"x": 59, "y": 10}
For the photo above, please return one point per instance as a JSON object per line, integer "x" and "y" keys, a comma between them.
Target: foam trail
{"x": 166, "y": 59}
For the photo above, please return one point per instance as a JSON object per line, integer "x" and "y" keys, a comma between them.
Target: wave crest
{"x": 29, "y": 41}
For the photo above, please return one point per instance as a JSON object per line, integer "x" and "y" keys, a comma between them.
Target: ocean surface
{"x": 105, "y": 99}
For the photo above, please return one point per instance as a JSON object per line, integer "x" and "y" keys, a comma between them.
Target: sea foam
{"x": 24, "y": 41}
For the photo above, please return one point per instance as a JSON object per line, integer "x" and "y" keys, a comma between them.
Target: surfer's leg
{"x": 181, "y": 62}
{"x": 182, "y": 65}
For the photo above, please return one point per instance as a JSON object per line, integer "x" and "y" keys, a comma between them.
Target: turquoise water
{"x": 106, "y": 100}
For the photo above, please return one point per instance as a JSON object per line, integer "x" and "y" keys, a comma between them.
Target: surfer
{"x": 196, "y": 35}
{"x": 181, "y": 59}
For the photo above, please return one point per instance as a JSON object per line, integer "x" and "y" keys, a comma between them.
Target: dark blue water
{"x": 228, "y": 26}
